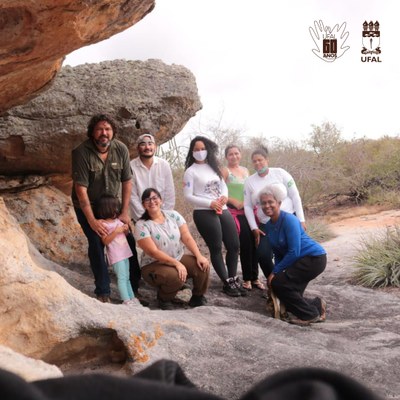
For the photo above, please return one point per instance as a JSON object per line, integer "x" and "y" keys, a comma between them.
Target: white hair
{"x": 277, "y": 190}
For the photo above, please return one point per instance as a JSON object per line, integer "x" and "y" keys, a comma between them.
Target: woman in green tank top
{"x": 235, "y": 175}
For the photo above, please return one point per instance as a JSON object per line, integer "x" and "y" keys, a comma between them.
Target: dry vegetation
{"x": 332, "y": 174}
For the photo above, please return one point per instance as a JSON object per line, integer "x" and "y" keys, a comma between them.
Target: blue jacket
{"x": 290, "y": 242}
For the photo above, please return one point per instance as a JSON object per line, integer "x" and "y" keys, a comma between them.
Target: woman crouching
{"x": 298, "y": 259}
{"x": 160, "y": 234}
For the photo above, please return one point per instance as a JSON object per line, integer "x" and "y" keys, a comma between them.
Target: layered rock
{"x": 37, "y": 138}
{"x": 36, "y": 35}
{"x": 48, "y": 219}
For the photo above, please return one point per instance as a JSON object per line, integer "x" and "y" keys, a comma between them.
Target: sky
{"x": 256, "y": 70}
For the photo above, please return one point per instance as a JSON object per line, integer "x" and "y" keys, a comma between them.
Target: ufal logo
{"x": 371, "y": 40}
{"x": 329, "y": 42}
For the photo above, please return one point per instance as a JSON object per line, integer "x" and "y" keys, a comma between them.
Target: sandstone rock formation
{"x": 46, "y": 216}
{"x": 225, "y": 347}
{"x": 37, "y": 138}
{"x": 36, "y": 35}
{"x": 46, "y": 318}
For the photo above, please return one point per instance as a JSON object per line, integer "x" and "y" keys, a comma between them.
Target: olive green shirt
{"x": 100, "y": 177}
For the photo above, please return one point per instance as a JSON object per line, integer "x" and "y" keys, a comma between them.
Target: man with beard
{"x": 100, "y": 165}
{"x": 148, "y": 170}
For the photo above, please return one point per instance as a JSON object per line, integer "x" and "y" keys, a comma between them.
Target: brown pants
{"x": 165, "y": 277}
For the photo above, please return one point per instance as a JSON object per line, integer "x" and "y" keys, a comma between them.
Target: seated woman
{"x": 298, "y": 258}
{"x": 160, "y": 234}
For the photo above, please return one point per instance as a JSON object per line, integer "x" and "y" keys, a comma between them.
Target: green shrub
{"x": 378, "y": 259}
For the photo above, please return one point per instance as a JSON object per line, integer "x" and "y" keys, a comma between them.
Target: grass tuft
{"x": 378, "y": 259}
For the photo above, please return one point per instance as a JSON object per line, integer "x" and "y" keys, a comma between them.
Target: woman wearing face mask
{"x": 255, "y": 216}
{"x": 206, "y": 190}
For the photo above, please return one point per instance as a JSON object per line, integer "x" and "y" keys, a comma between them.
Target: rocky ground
{"x": 232, "y": 343}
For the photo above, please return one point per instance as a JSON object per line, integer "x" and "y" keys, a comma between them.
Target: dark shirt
{"x": 100, "y": 177}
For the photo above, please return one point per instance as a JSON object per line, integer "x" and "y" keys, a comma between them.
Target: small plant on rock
{"x": 378, "y": 259}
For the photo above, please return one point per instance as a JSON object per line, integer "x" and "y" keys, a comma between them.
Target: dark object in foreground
{"x": 166, "y": 380}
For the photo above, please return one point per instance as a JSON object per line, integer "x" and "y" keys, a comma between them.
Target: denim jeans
{"x": 97, "y": 260}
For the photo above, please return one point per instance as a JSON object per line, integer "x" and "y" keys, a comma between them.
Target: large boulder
{"x": 37, "y": 138}
{"x": 36, "y": 35}
{"x": 225, "y": 347}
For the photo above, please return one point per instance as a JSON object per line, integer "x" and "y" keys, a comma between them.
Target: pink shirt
{"x": 118, "y": 249}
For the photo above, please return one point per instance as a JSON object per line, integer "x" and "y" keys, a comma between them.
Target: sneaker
{"x": 165, "y": 305}
{"x": 230, "y": 288}
{"x": 132, "y": 302}
{"x": 197, "y": 301}
{"x": 242, "y": 290}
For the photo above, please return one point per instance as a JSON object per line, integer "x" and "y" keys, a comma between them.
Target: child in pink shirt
{"x": 117, "y": 247}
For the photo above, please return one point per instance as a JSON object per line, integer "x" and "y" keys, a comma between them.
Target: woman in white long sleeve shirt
{"x": 257, "y": 219}
{"x": 206, "y": 190}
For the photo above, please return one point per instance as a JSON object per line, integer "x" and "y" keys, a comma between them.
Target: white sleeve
{"x": 294, "y": 195}
{"x": 248, "y": 206}
{"x": 136, "y": 207}
{"x": 169, "y": 192}
{"x": 188, "y": 191}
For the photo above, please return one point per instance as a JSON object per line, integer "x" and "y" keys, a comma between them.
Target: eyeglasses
{"x": 149, "y": 199}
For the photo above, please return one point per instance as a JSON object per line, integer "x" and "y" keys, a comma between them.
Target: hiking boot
{"x": 238, "y": 283}
{"x": 104, "y": 298}
{"x": 165, "y": 305}
{"x": 230, "y": 288}
{"x": 197, "y": 301}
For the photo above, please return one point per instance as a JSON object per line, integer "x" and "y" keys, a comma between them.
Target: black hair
{"x": 261, "y": 150}
{"x": 231, "y": 146}
{"x": 108, "y": 206}
{"x": 145, "y": 195}
{"x": 212, "y": 150}
{"x": 99, "y": 118}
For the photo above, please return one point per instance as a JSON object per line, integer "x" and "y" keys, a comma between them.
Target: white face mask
{"x": 200, "y": 155}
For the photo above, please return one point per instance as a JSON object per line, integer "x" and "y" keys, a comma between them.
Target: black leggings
{"x": 215, "y": 230}
{"x": 248, "y": 253}
{"x": 289, "y": 285}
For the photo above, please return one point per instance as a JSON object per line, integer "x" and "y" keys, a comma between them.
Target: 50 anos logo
{"x": 329, "y": 42}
